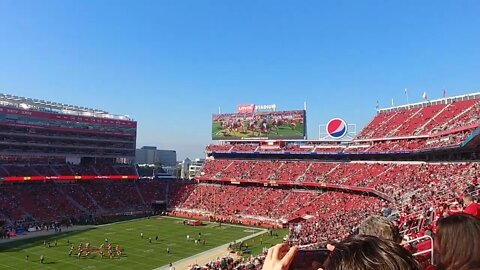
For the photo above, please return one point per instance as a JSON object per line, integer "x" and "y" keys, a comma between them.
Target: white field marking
{"x": 193, "y": 258}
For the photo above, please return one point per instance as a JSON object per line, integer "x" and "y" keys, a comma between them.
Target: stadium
{"x": 71, "y": 196}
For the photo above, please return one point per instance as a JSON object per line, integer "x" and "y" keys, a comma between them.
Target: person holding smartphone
{"x": 360, "y": 252}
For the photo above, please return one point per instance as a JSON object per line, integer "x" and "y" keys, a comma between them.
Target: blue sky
{"x": 171, "y": 64}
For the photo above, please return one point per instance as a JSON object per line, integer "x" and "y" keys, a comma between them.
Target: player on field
{"x": 118, "y": 250}
{"x": 110, "y": 252}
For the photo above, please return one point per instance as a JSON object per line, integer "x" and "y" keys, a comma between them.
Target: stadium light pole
{"x": 214, "y": 202}
{"x": 305, "y": 136}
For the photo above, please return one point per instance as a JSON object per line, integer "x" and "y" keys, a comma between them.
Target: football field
{"x": 138, "y": 252}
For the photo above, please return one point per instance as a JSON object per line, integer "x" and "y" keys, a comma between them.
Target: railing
{"x": 276, "y": 183}
{"x": 430, "y": 250}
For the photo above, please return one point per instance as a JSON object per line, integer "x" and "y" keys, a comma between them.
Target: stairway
{"x": 5, "y": 170}
{"x": 259, "y": 197}
{"x": 304, "y": 175}
{"x": 54, "y": 170}
{"x": 392, "y": 133}
{"x": 94, "y": 169}
{"x": 454, "y": 119}
{"x": 420, "y": 129}
{"x": 115, "y": 170}
{"x": 70, "y": 199}
{"x": 35, "y": 171}
{"x": 139, "y": 193}
{"x": 92, "y": 199}
{"x": 302, "y": 206}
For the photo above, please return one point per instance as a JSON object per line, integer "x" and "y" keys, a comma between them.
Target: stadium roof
{"x": 55, "y": 107}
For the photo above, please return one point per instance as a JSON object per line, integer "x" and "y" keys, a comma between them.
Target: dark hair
{"x": 458, "y": 242}
{"x": 364, "y": 252}
{"x": 380, "y": 227}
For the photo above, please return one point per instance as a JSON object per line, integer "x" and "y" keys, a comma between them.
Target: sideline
{"x": 211, "y": 254}
{"x": 210, "y": 222}
{"x": 32, "y": 235}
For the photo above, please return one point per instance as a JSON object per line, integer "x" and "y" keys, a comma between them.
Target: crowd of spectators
{"x": 377, "y": 244}
{"x": 40, "y": 203}
{"x": 410, "y": 144}
{"x": 384, "y": 145}
{"x": 390, "y": 178}
{"x": 423, "y": 193}
{"x": 229, "y": 262}
{"x": 425, "y": 120}
{"x": 27, "y": 170}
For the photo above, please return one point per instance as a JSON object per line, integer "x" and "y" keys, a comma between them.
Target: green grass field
{"x": 256, "y": 244}
{"x": 138, "y": 252}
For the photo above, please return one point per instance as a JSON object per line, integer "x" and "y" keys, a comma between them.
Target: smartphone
{"x": 309, "y": 259}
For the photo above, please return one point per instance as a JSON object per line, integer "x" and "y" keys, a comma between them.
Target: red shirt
{"x": 473, "y": 209}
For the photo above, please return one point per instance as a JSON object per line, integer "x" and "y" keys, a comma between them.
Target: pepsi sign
{"x": 337, "y": 128}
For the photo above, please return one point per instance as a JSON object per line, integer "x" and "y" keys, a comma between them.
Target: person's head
{"x": 458, "y": 242}
{"x": 467, "y": 200}
{"x": 364, "y": 252}
{"x": 380, "y": 227}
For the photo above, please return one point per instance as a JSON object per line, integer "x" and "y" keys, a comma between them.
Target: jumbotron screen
{"x": 259, "y": 125}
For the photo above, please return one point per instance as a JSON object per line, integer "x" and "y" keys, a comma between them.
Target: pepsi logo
{"x": 337, "y": 128}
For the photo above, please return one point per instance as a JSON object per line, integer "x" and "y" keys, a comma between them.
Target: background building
{"x": 190, "y": 168}
{"x": 195, "y": 167}
{"x": 184, "y": 168}
{"x": 151, "y": 155}
{"x": 161, "y": 163}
